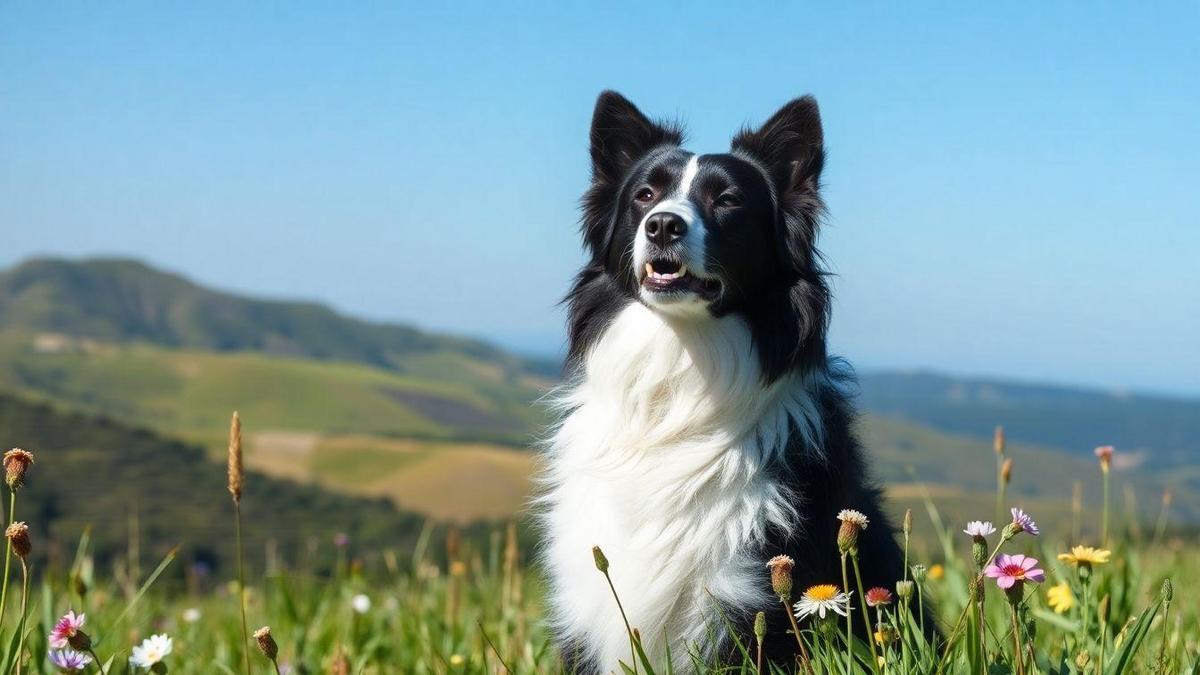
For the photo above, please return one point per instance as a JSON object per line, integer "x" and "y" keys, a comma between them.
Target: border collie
{"x": 704, "y": 428}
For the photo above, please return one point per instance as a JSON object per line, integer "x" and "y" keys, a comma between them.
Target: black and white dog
{"x": 704, "y": 428}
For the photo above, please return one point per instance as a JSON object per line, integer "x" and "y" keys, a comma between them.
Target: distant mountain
{"x": 1157, "y": 430}
{"x": 94, "y": 471}
{"x": 118, "y": 300}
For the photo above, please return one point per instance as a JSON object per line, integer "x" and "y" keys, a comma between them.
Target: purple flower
{"x": 1010, "y": 570}
{"x": 67, "y": 660}
{"x": 1023, "y": 522}
{"x": 341, "y": 539}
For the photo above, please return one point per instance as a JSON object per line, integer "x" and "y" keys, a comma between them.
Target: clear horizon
{"x": 1011, "y": 192}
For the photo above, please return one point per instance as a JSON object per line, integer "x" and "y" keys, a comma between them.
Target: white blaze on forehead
{"x": 692, "y": 251}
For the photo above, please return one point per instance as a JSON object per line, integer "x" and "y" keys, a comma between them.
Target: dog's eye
{"x": 728, "y": 200}
{"x": 644, "y": 195}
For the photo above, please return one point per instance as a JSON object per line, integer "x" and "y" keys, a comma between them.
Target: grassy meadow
{"x": 450, "y": 602}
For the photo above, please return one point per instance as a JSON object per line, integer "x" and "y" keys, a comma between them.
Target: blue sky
{"x": 1013, "y": 190}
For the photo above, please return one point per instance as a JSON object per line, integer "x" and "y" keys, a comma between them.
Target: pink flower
{"x": 67, "y": 627}
{"x": 1010, "y": 570}
{"x": 878, "y": 596}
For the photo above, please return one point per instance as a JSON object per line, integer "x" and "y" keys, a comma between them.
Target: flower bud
{"x": 266, "y": 643}
{"x": 907, "y": 523}
{"x": 18, "y": 536}
{"x": 998, "y": 441}
{"x": 16, "y": 463}
{"x": 1006, "y": 470}
{"x": 760, "y": 626}
{"x": 904, "y": 589}
{"x": 1168, "y": 590}
{"x": 919, "y": 573}
{"x": 1082, "y": 659}
{"x": 80, "y": 641}
{"x": 1102, "y": 610}
{"x": 781, "y": 576}
{"x": 601, "y": 561}
{"x": 853, "y": 522}
{"x": 979, "y": 550}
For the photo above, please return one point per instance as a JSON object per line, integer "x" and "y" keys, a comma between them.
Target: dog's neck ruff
{"x": 664, "y": 459}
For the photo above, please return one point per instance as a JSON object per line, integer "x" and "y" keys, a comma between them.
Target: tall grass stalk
{"x": 849, "y": 620}
{"x": 862, "y": 599}
{"x": 24, "y": 606}
{"x": 236, "y": 481}
{"x": 602, "y": 565}
{"x": 12, "y": 515}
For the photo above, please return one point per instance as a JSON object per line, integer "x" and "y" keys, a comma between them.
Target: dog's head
{"x": 698, "y": 237}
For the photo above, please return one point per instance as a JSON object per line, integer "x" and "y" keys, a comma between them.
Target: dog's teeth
{"x": 649, "y": 270}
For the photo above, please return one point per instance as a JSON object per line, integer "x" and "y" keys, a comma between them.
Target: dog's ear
{"x": 790, "y": 146}
{"x": 621, "y": 135}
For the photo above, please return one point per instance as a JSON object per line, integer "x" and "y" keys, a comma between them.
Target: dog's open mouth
{"x": 666, "y": 276}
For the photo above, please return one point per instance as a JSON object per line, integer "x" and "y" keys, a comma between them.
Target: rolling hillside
{"x": 94, "y": 471}
{"x": 1157, "y": 431}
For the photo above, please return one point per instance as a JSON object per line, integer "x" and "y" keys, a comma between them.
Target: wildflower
{"x": 601, "y": 560}
{"x": 1082, "y": 659}
{"x": 361, "y": 603}
{"x": 904, "y": 589}
{"x": 191, "y": 615}
{"x": 781, "y": 576}
{"x": 1085, "y": 556}
{"x": 1006, "y": 470}
{"x": 980, "y": 528}
{"x": 152, "y": 650}
{"x": 458, "y": 568}
{"x": 1060, "y": 598}
{"x": 457, "y": 660}
{"x": 69, "y": 631}
{"x": 821, "y": 600}
{"x": 1021, "y": 522}
{"x": 67, "y": 660}
{"x": 998, "y": 441}
{"x": 234, "y": 460}
{"x": 853, "y": 522}
{"x": 879, "y": 596}
{"x": 1013, "y": 570}
{"x": 266, "y": 643}
{"x": 937, "y": 572}
{"x": 1104, "y": 453}
{"x": 341, "y": 540}
{"x": 16, "y": 463}
{"x": 18, "y": 534}
{"x": 884, "y": 634}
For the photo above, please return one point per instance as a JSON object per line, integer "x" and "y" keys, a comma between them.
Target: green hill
{"x": 94, "y": 471}
{"x": 115, "y": 300}
{"x": 1155, "y": 431}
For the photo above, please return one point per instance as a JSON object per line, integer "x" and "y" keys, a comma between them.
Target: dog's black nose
{"x": 665, "y": 229}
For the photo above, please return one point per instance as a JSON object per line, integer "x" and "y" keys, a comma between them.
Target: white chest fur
{"x": 659, "y": 461}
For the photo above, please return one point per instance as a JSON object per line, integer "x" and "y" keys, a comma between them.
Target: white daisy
{"x": 152, "y": 650}
{"x": 822, "y": 599}
{"x": 191, "y": 615}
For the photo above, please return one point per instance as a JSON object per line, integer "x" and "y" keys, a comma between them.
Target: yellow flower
{"x": 1060, "y": 598}
{"x": 937, "y": 572}
{"x": 1085, "y": 556}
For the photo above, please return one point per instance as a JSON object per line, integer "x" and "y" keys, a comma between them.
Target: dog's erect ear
{"x": 621, "y": 135}
{"x": 790, "y": 145}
